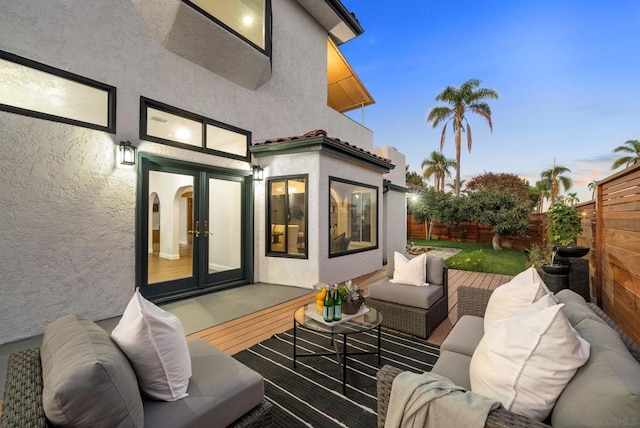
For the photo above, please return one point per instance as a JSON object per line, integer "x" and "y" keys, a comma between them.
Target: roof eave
{"x": 322, "y": 144}
{"x": 341, "y": 25}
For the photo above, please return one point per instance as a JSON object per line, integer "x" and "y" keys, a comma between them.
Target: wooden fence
{"x": 478, "y": 233}
{"x": 616, "y": 262}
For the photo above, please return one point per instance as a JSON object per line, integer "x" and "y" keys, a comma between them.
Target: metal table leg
{"x": 379, "y": 335}
{"x": 344, "y": 364}
{"x": 294, "y": 343}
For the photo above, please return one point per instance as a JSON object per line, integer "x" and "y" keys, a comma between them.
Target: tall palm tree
{"x": 554, "y": 179}
{"x": 592, "y": 186}
{"x": 468, "y": 98}
{"x": 452, "y": 186}
{"x": 632, "y": 148}
{"x": 437, "y": 165}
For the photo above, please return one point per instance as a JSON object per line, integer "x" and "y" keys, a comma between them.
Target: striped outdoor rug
{"x": 311, "y": 395}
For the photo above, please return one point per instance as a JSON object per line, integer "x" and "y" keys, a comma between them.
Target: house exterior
{"x": 207, "y": 93}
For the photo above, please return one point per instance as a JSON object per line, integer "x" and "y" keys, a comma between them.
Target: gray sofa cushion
{"x": 221, "y": 390}
{"x": 407, "y": 295}
{"x": 606, "y": 390}
{"x": 466, "y": 335}
{"x": 435, "y": 266}
{"x": 575, "y": 307}
{"x": 87, "y": 380}
{"x": 454, "y": 366}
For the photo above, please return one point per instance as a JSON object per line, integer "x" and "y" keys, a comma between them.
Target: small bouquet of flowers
{"x": 352, "y": 297}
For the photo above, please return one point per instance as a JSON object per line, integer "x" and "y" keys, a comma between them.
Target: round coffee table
{"x": 305, "y": 317}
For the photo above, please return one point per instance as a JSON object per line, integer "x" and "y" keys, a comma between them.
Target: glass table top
{"x": 307, "y": 317}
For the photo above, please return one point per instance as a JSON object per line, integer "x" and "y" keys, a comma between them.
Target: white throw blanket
{"x": 432, "y": 400}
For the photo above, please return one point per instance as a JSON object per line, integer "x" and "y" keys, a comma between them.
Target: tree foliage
{"x": 503, "y": 212}
{"x": 564, "y": 224}
{"x": 632, "y": 150}
{"x": 504, "y": 182}
{"x": 468, "y": 98}
{"x": 414, "y": 178}
{"x": 437, "y": 165}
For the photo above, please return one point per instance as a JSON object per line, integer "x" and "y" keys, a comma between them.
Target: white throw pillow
{"x": 517, "y": 294}
{"x": 410, "y": 272}
{"x": 154, "y": 342}
{"x": 526, "y": 361}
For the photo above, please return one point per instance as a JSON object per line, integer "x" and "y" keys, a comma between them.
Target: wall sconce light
{"x": 127, "y": 153}
{"x": 258, "y": 173}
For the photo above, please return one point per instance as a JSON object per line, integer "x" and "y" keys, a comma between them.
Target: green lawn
{"x": 505, "y": 261}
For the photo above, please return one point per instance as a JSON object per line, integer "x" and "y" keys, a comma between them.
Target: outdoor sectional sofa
{"x": 410, "y": 309}
{"x": 605, "y": 391}
{"x": 221, "y": 392}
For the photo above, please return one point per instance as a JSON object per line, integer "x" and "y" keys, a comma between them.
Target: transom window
{"x": 246, "y": 18}
{"x": 169, "y": 125}
{"x": 33, "y": 89}
{"x": 353, "y": 217}
{"x": 287, "y": 216}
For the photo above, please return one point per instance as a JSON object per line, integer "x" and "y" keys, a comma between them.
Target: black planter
{"x": 555, "y": 269}
{"x": 571, "y": 251}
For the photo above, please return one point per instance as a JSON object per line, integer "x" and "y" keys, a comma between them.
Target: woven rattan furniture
{"x": 473, "y": 301}
{"x": 22, "y": 405}
{"x": 419, "y": 322}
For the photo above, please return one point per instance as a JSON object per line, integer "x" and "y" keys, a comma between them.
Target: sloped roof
{"x": 317, "y": 140}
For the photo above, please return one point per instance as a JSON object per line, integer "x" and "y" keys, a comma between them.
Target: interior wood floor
{"x": 164, "y": 270}
{"x": 242, "y": 333}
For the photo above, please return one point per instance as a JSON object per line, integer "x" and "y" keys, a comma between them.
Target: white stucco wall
{"x": 68, "y": 209}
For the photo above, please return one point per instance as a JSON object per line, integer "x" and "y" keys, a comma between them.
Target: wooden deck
{"x": 242, "y": 333}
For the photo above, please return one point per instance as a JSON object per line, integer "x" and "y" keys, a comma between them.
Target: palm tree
{"x": 452, "y": 186}
{"x": 592, "y": 187}
{"x": 554, "y": 179}
{"x": 572, "y": 198}
{"x": 541, "y": 187}
{"x": 437, "y": 165}
{"x": 632, "y": 147}
{"x": 469, "y": 98}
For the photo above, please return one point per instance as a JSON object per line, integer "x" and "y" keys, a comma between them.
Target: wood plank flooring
{"x": 241, "y": 333}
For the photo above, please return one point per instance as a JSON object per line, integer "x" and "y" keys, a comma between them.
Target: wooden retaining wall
{"x": 617, "y": 249}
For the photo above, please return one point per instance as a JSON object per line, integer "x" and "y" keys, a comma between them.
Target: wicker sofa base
{"x": 22, "y": 406}
{"x": 408, "y": 319}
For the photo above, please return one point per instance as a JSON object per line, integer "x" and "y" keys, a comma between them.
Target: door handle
{"x": 195, "y": 232}
{"x": 206, "y": 228}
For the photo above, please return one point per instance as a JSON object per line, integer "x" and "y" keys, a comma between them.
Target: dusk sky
{"x": 567, "y": 72}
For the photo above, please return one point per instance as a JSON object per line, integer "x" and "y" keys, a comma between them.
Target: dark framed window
{"x": 287, "y": 202}
{"x": 353, "y": 217}
{"x": 165, "y": 124}
{"x": 38, "y": 90}
{"x": 248, "y": 19}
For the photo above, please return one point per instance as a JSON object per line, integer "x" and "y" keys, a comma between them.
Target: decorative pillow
{"x": 87, "y": 380}
{"x": 410, "y": 272}
{"x": 517, "y": 294}
{"x": 154, "y": 342}
{"x": 526, "y": 361}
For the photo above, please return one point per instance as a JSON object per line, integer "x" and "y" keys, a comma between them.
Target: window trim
{"x": 377, "y": 230}
{"x": 145, "y": 103}
{"x": 268, "y": 223}
{"x": 267, "y": 26}
{"x": 111, "y": 95}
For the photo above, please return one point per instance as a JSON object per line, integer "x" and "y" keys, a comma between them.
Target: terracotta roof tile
{"x": 318, "y": 133}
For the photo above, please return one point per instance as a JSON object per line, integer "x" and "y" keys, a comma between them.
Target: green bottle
{"x": 327, "y": 312}
{"x": 337, "y": 304}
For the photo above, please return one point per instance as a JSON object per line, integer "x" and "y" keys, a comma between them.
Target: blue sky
{"x": 567, "y": 72}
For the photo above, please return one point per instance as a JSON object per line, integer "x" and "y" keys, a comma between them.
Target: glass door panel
{"x": 224, "y": 226}
{"x": 171, "y": 233}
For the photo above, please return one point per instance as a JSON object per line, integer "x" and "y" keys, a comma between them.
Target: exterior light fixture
{"x": 258, "y": 173}
{"x": 127, "y": 153}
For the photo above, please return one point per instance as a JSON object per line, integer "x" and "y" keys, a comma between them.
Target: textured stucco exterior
{"x": 67, "y": 241}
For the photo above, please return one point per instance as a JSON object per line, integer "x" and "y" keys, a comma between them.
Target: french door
{"x": 193, "y": 229}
